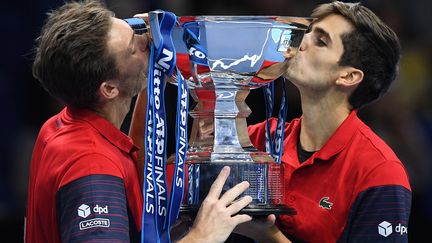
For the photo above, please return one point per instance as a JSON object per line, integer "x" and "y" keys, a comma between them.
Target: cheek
{"x": 137, "y": 65}
{"x": 146, "y": 62}
{"x": 318, "y": 63}
{"x": 141, "y": 61}
{"x": 130, "y": 68}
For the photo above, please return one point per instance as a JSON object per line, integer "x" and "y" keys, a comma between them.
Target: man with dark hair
{"x": 83, "y": 183}
{"x": 346, "y": 184}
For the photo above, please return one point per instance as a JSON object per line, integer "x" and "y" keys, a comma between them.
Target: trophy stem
{"x": 226, "y": 145}
{"x": 219, "y": 130}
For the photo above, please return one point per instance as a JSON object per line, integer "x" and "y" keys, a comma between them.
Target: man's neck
{"x": 320, "y": 120}
{"x": 115, "y": 111}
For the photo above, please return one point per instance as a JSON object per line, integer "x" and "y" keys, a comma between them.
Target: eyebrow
{"x": 323, "y": 32}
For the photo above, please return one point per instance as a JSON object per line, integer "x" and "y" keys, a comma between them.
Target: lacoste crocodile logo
{"x": 324, "y": 203}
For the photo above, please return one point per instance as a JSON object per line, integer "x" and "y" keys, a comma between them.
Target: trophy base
{"x": 265, "y": 186}
{"x": 252, "y": 211}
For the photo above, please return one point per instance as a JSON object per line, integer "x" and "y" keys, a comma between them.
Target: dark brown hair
{"x": 371, "y": 47}
{"x": 72, "y": 58}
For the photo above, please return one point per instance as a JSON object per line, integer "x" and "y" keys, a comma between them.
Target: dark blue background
{"x": 403, "y": 118}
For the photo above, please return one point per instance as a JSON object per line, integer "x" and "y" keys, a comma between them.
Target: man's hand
{"x": 217, "y": 217}
{"x": 143, "y": 16}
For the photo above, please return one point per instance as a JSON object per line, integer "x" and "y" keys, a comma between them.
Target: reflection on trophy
{"x": 223, "y": 58}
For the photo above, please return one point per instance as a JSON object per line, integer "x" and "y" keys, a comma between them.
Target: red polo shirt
{"x": 83, "y": 181}
{"x": 353, "y": 188}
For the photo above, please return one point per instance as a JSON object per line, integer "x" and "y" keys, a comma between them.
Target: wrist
{"x": 272, "y": 234}
{"x": 193, "y": 236}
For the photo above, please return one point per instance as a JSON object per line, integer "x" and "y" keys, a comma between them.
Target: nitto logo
{"x": 83, "y": 211}
{"x": 100, "y": 210}
{"x": 385, "y": 229}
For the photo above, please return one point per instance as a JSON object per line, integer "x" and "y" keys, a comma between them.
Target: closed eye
{"x": 322, "y": 37}
{"x": 320, "y": 42}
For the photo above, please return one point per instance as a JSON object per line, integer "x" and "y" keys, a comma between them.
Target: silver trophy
{"x": 235, "y": 54}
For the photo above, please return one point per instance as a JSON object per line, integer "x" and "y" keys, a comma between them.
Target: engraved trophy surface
{"x": 235, "y": 54}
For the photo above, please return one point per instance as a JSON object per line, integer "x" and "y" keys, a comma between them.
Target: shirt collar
{"x": 340, "y": 138}
{"x": 335, "y": 144}
{"x": 103, "y": 126}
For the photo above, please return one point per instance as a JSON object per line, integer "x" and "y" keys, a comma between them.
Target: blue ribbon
{"x": 268, "y": 91}
{"x": 197, "y": 56}
{"x": 274, "y": 144}
{"x": 162, "y": 63}
{"x": 148, "y": 217}
{"x": 177, "y": 188}
{"x": 197, "y": 53}
{"x": 158, "y": 214}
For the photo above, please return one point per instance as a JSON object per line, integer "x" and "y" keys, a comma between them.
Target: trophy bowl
{"x": 223, "y": 58}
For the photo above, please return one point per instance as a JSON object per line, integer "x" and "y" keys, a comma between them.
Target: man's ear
{"x": 108, "y": 90}
{"x": 350, "y": 77}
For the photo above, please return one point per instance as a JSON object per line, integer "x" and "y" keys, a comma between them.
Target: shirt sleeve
{"x": 379, "y": 214}
{"x": 93, "y": 208}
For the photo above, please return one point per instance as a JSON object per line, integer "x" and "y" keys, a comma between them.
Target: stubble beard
{"x": 141, "y": 82}
{"x": 135, "y": 85}
{"x": 291, "y": 66}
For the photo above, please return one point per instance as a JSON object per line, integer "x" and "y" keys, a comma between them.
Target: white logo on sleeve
{"x": 99, "y": 210}
{"x": 83, "y": 211}
{"x": 385, "y": 229}
{"x": 92, "y": 223}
